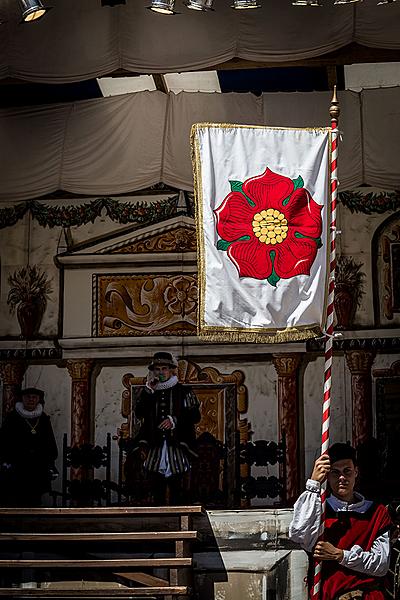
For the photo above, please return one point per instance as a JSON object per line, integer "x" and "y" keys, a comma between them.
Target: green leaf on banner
{"x": 318, "y": 241}
{"x": 298, "y": 183}
{"x": 224, "y": 245}
{"x": 273, "y": 278}
{"x": 237, "y": 186}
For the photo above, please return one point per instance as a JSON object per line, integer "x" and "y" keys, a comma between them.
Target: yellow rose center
{"x": 270, "y": 226}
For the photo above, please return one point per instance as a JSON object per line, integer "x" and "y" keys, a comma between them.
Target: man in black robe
{"x": 27, "y": 451}
{"x": 167, "y": 438}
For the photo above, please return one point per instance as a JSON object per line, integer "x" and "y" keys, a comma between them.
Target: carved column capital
{"x": 286, "y": 365}
{"x": 359, "y": 361}
{"x": 12, "y": 372}
{"x": 79, "y": 370}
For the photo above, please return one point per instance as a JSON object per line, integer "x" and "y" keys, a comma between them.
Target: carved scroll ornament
{"x": 142, "y": 305}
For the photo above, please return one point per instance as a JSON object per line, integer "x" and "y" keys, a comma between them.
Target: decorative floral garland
{"x": 373, "y": 202}
{"x": 74, "y": 215}
{"x": 145, "y": 213}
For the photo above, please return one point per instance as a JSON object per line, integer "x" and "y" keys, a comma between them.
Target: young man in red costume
{"x": 355, "y": 552}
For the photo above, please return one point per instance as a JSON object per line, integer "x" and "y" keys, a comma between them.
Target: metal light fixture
{"x": 346, "y": 1}
{"x": 306, "y": 3}
{"x": 165, "y": 7}
{"x": 199, "y": 4}
{"x": 32, "y": 10}
{"x": 385, "y": 2}
{"x": 244, "y": 4}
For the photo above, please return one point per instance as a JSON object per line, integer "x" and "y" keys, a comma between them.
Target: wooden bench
{"x": 31, "y": 538}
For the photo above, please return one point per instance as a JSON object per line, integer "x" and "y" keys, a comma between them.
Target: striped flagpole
{"x": 334, "y": 112}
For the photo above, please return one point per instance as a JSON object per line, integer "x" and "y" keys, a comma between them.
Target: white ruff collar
{"x": 28, "y": 414}
{"x": 165, "y": 385}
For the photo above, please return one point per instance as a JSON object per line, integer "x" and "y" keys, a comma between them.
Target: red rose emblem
{"x": 270, "y": 227}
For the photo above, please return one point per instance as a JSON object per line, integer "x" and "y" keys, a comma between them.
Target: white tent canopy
{"x": 81, "y": 40}
{"x": 126, "y": 143}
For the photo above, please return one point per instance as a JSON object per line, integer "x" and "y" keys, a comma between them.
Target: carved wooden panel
{"x": 142, "y": 305}
{"x": 180, "y": 239}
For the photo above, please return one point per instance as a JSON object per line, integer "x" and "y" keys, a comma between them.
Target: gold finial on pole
{"x": 334, "y": 110}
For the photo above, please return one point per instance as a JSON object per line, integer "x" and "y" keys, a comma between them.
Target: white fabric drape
{"x": 126, "y": 143}
{"x": 83, "y": 40}
{"x": 381, "y": 134}
{"x": 186, "y": 109}
{"x": 113, "y": 145}
{"x": 301, "y": 110}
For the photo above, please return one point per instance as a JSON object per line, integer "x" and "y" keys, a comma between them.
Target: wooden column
{"x": 360, "y": 363}
{"x": 79, "y": 371}
{"x": 12, "y": 374}
{"x": 286, "y": 366}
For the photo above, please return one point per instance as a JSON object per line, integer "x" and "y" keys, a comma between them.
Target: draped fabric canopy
{"x": 81, "y": 40}
{"x": 126, "y": 143}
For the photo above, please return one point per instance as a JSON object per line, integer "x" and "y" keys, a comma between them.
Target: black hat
{"x": 163, "y": 358}
{"x": 342, "y": 451}
{"x": 34, "y": 392}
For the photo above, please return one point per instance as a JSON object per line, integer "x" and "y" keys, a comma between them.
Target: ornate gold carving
{"x": 79, "y": 369}
{"x": 286, "y": 364}
{"x": 12, "y": 372}
{"x": 142, "y": 305}
{"x": 359, "y": 361}
{"x": 181, "y": 239}
{"x": 212, "y": 413}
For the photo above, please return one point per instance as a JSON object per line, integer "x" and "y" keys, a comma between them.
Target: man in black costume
{"x": 169, "y": 412}
{"x": 27, "y": 451}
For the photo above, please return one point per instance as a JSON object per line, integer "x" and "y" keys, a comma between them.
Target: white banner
{"x": 262, "y": 207}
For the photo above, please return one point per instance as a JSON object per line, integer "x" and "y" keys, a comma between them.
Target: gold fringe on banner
{"x": 280, "y": 337}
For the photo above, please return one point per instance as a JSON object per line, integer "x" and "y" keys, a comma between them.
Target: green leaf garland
{"x": 140, "y": 212}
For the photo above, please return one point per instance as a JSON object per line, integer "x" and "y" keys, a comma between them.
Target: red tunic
{"x": 347, "y": 529}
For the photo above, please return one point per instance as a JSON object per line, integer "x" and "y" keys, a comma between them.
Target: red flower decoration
{"x": 270, "y": 227}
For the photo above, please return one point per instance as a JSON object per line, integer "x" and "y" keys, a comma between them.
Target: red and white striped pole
{"x": 334, "y": 112}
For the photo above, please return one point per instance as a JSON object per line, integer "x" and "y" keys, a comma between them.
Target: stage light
{"x": 199, "y": 4}
{"x": 112, "y": 2}
{"x": 346, "y": 1}
{"x": 244, "y": 4}
{"x": 165, "y": 7}
{"x": 306, "y": 3}
{"x": 32, "y": 10}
